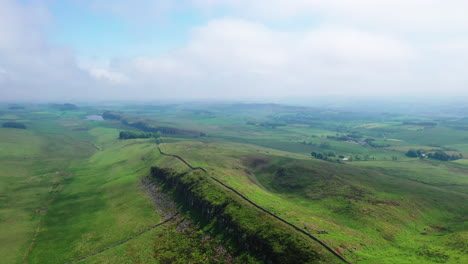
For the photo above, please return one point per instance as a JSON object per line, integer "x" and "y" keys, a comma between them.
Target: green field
{"x": 69, "y": 187}
{"x": 371, "y": 216}
{"x": 59, "y": 192}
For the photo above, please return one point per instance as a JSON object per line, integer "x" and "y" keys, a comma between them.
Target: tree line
{"x": 135, "y": 134}
{"x": 438, "y": 155}
{"x": 328, "y": 156}
{"x": 14, "y": 125}
{"x": 148, "y": 128}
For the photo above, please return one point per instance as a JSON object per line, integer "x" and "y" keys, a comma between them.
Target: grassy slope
{"x": 20, "y": 144}
{"x": 96, "y": 200}
{"x": 372, "y": 216}
{"x": 378, "y": 230}
{"x": 33, "y": 171}
{"x": 101, "y": 204}
{"x": 55, "y": 185}
{"x": 250, "y": 224}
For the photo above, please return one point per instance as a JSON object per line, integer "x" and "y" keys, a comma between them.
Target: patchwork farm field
{"x": 70, "y": 187}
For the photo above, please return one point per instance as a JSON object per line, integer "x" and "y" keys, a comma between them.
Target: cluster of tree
{"x": 322, "y": 145}
{"x": 148, "y": 128}
{"x": 438, "y": 155}
{"x": 375, "y": 145}
{"x": 65, "y": 107}
{"x": 134, "y": 134}
{"x": 412, "y": 153}
{"x": 348, "y": 137}
{"x": 359, "y": 157}
{"x": 308, "y": 143}
{"x": 107, "y": 115}
{"x": 14, "y": 125}
{"x": 140, "y": 125}
{"x": 164, "y": 130}
{"x": 328, "y": 156}
{"x": 357, "y": 139}
{"x": 371, "y": 142}
{"x": 420, "y": 123}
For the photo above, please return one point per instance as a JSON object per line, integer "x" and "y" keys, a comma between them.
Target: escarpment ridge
{"x": 240, "y": 223}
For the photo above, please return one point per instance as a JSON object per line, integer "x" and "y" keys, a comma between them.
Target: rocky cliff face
{"x": 245, "y": 228}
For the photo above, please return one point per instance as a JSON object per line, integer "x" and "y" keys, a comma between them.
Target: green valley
{"x": 70, "y": 187}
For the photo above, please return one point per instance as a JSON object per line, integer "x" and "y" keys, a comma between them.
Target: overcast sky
{"x": 231, "y": 49}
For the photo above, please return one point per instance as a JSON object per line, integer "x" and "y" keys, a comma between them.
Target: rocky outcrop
{"x": 244, "y": 227}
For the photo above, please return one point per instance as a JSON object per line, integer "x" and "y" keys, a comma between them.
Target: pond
{"x": 95, "y": 118}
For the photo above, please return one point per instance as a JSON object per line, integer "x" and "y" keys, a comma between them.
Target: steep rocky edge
{"x": 239, "y": 224}
{"x": 168, "y": 249}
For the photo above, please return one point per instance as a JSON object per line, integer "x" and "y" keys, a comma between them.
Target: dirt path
{"x": 123, "y": 241}
{"x": 31, "y": 246}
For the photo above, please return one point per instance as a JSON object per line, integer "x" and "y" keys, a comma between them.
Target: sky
{"x": 231, "y": 49}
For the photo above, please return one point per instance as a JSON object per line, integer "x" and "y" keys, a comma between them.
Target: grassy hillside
{"x": 101, "y": 204}
{"x": 61, "y": 198}
{"x": 69, "y": 187}
{"x": 34, "y": 170}
{"x": 370, "y": 215}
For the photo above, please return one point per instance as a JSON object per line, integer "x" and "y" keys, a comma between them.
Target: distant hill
{"x": 15, "y": 107}
{"x": 65, "y": 107}
{"x": 14, "y": 125}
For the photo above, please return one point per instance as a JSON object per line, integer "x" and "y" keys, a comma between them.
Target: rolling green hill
{"x": 369, "y": 215}
{"x": 70, "y": 187}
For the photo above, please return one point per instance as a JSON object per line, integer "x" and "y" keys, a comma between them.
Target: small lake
{"x": 95, "y": 118}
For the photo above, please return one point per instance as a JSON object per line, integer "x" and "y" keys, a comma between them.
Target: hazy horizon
{"x": 275, "y": 51}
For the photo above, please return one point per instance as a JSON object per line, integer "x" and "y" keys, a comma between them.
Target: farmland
{"x": 69, "y": 186}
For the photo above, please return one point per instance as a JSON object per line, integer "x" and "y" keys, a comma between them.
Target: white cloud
{"x": 363, "y": 46}
{"x": 401, "y": 15}
{"x": 356, "y": 47}
{"x": 3, "y": 75}
{"x": 352, "y": 45}
{"x": 33, "y": 67}
{"x": 109, "y": 76}
{"x": 430, "y": 15}
{"x": 230, "y": 57}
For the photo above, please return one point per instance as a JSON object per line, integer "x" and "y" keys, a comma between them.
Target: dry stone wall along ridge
{"x": 327, "y": 247}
